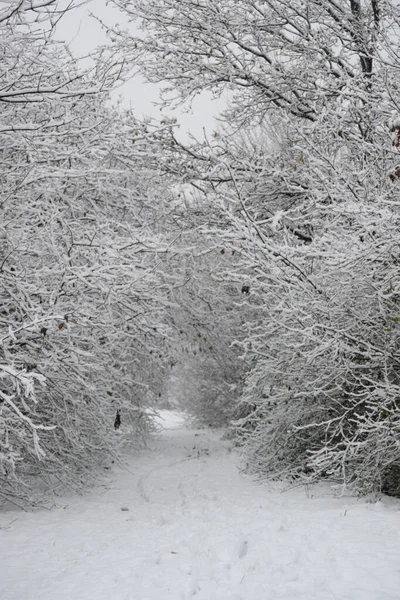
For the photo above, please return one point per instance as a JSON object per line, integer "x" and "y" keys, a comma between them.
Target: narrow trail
{"x": 183, "y": 523}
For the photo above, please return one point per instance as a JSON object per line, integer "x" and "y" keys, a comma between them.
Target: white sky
{"x": 83, "y": 33}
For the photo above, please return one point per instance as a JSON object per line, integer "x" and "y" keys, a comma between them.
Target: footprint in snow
{"x": 243, "y": 549}
{"x": 142, "y": 492}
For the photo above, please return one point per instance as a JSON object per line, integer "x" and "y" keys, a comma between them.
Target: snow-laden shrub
{"x": 322, "y": 398}
{"x": 205, "y": 390}
{"x": 81, "y": 322}
{"x": 312, "y": 219}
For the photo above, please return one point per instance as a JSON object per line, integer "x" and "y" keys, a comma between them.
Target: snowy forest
{"x": 250, "y": 278}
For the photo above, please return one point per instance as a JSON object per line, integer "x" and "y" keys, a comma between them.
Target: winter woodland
{"x": 250, "y": 278}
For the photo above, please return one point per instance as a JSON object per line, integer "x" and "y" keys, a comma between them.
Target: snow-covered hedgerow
{"x": 322, "y": 397}
{"x": 311, "y": 215}
{"x": 80, "y": 311}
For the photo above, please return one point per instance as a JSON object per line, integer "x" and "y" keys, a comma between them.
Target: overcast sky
{"x": 83, "y": 33}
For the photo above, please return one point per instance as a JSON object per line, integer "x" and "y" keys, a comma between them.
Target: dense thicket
{"x": 207, "y": 372}
{"x": 251, "y": 278}
{"x": 82, "y": 299}
{"x": 303, "y": 184}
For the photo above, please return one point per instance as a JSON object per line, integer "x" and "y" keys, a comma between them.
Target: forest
{"x": 250, "y": 278}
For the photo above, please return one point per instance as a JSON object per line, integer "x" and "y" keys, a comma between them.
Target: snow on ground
{"x": 181, "y": 522}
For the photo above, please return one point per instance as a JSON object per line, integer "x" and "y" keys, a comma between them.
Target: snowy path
{"x": 198, "y": 529}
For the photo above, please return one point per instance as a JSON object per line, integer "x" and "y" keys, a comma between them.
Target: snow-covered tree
{"x": 207, "y": 371}
{"x": 305, "y": 182}
{"x": 82, "y": 300}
